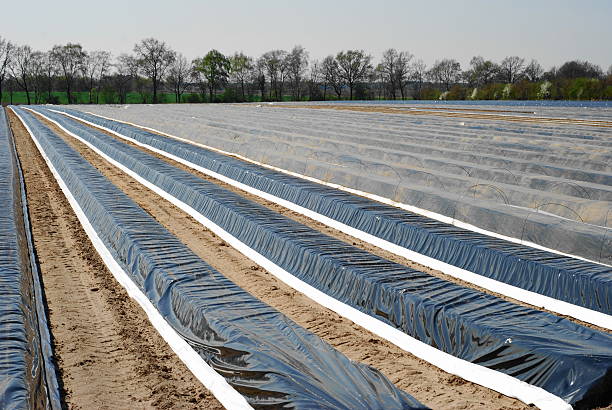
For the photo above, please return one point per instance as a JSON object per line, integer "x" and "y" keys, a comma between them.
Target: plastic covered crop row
{"x": 27, "y": 371}
{"x": 534, "y": 346}
{"x": 564, "y": 278}
{"x": 262, "y": 354}
{"x": 318, "y": 143}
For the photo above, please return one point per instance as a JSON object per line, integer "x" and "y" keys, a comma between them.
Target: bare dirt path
{"x": 108, "y": 354}
{"x": 425, "y": 382}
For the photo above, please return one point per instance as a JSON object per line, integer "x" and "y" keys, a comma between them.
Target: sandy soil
{"x": 427, "y": 383}
{"x": 108, "y": 355}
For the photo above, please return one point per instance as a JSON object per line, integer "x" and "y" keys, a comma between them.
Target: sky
{"x": 550, "y": 31}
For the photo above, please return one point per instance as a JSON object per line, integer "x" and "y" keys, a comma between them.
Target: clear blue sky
{"x": 552, "y": 31}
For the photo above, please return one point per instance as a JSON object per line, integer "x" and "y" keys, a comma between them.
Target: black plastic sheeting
{"x": 564, "y": 278}
{"x": 265, "y": 356}
{"x": 27, "y": 371}
{"x": 564, "y": 358}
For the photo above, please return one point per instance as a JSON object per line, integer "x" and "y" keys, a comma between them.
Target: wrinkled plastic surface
{"x": 566, "y": 359}
{"x": 547, "y": 184}
{"x": 27, "y": 371}
{"x": 569, "y": 279}
{"x": 264, "y": 355}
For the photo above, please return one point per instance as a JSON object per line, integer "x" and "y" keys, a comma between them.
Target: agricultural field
{"x": 308, "y": 255}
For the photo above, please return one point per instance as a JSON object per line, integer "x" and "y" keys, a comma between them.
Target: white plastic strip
{"x": 414, "y": 209}
{"x": 213, "y": 381}
{"x": 492, "y": 379}
{"x": 535, "y": 299}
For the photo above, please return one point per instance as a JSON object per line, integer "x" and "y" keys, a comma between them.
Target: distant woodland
{"x": 155, "y": 73}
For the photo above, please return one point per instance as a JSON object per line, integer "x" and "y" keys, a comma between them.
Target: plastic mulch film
{"x": 27, "y": 371}
{"x": 564, "y": 358}
{"x": 262, "y": 354}
{"x": 564, "y": 278}
{"x": 553, "y": 190}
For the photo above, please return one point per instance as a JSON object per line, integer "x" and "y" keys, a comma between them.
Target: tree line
{"x": 153, "y": 72}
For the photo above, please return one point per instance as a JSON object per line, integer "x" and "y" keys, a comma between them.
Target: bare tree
{"x": 154, "y": 57}
{"x": 533, "y": 71}
{"x": 551, "y": 74}
{"x": 241, "y": 68}
{"x": 446, "y": 72}
{"x": 70, "y": 60}
{"x": 394, "y": 70}
{"x": 418, "y": 70}
{"x": 51, "y": 71}
{"x": 314, "y": 81}
{"x": 103, "y": 69}
{"x": 355, "y": 66}
{"x": 368, "y": 91}
{"x": 6, "y": 53}
{"x": 383, "y": 84}
{"x": 283, "y": 74}
{"x": 95, "y": 65}
{"x": 331, "y": 75}
{"x": 511, "y": 68}
{"x": 178, "y": 74}
{"x": 126, "y": 70}
{"x": 275, "y": 62}
{"x": 402, "y": 71}
{"x": 11, "y": 84}
{"x": 89, "y": 68}
{"x": 21, "y": 69}
{"x": 38, "y": 74}
{"x": 260, "y": 76}
{"x": 387, "y": 69}
{"x": 297, "y": 63}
